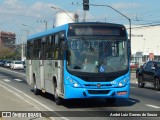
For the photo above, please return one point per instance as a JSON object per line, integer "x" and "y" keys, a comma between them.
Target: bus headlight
{"x": 73, "y": 82}
{"x": 75, "y": 85}
{"x": 120, "y": 84}
{"x": 123, "y": 82}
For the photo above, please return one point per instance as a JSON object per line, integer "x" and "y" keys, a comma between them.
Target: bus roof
{"x": 47, "y": 32}
{"x": 98, "y": 23}
{"x": 65, "y": 26}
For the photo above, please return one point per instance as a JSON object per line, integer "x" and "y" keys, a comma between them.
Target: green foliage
{"x": 6, "y": 53}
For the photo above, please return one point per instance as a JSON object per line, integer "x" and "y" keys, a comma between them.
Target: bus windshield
{"x": 97, "y": 55}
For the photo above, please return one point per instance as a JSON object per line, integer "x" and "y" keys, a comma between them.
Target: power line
{"x": 19, "y": 15}
{"x": 145, "y": 26}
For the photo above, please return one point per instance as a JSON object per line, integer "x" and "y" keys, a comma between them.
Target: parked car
{"x": 7, "y": 63}
{"x": 134, "y": 65}
{"x": 1, "y": 62}
{"x": 16, "y": 65}
{"x": 149, "y": 73}
{"x": 24, "y": 64}
{"x": 137, "y": 70}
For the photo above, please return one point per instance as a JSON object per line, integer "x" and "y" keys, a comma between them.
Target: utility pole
{"x": 22, "y": 54}
{"x": 84, "y": 16}
{"x": 46, "y": 24}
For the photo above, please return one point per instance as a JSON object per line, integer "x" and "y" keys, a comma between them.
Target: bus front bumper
{"x": 121, "y": 92}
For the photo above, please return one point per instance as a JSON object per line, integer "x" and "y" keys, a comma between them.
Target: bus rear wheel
{"x": 57, "y": 99}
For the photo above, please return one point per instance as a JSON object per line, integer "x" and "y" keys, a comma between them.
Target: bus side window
{"x": 47, "y": 48}
{"x": 36, "y": 49}
{"x": 56, "y": 47}
{"x": 39, "y": 54}
{"x": 42, "y": 48}
{"x": 29, "y": 49}
{"x": 53, "y": 46}
{"x": 61, "y": 44}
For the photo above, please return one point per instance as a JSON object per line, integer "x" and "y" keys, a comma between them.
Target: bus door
{"x": 41, "y": 64}
{"x": 59, "y": 61}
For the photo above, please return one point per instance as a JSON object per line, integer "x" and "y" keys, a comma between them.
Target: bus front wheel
{"x": 57, "y": 99}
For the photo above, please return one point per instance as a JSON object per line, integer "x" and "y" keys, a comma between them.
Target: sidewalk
{"x": 10, "y": 102}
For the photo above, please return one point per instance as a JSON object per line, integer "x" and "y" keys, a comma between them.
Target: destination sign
{"x": 96, "y": 30}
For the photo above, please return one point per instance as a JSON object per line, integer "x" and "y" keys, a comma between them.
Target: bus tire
{"x": 140, "y": 83}
{"x": 57, "y": 99}
{"x": 35, "y": 89}
{"x": 156, "y": 84}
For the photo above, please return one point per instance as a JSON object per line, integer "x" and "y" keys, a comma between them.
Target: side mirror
{"x": 63, "y": 41}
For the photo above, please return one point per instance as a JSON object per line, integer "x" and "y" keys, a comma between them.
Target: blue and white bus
{"x": 80, "y": 60}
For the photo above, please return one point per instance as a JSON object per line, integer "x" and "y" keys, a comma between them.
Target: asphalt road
{"x": 141, "y": 100}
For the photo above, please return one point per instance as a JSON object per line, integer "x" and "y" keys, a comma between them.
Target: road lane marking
{"x": 6, "y": 80}
{"x": 153, "y": 106}
{"x": 18, "y": 80}
{"x": 29, "y": 98}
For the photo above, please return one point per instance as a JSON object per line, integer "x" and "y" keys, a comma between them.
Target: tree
{"x": 6, "y": 53}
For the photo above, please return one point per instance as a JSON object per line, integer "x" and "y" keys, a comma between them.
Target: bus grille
{"x": 97, "y": 79}
{"x": 98, "y": 91}
{"x": 95, "y": 85}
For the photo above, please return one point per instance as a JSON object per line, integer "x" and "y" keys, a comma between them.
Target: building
{"x": 7, "y": 40}
{"x": 145, "y": 43}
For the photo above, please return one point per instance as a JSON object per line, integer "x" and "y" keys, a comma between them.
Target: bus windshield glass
{"x": 97, "y": 54}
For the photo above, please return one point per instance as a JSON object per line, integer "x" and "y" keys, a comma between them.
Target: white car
{"x": 17, "y": 65}
{"x": 7, "y": 63}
